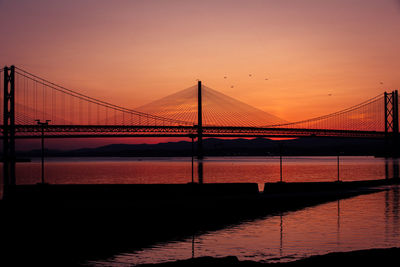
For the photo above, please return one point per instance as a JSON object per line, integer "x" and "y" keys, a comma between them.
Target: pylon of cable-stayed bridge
{"x": 218, "y": 109}
{"x": 203, "y": 106}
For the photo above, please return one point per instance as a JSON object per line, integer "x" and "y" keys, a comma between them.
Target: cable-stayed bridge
{"x": 28, "y": 98}
{"x": 34, "y": 107}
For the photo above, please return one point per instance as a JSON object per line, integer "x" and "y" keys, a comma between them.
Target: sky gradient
{"x": 306, "y": 58}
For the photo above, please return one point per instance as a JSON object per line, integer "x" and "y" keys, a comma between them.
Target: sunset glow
{"x": 199, "y": 132}
{"x": 292, "y": 59}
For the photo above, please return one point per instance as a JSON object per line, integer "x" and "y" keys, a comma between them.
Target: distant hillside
{"x": 231, "y": 147}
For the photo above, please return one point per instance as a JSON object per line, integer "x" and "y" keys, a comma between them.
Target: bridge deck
{"x": 82, "y": 131}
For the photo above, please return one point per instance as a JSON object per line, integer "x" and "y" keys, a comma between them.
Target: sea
{"x": 361, "y": 222}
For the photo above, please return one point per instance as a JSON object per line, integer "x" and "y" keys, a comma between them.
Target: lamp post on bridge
{"x": 43, "y": 124}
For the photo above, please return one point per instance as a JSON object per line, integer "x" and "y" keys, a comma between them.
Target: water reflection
{"x": 344, "y": 225}
{"x": 391, "y": 212}
{"x": 395, "y": 167}
{"x": 281, "y": 228}
{"x": 391, "y": 168}
{"x": 200, "y": 165}
{"x": 395, "y": 209}
{"x": 281, "y": 235}
{"x": 210, "y": 170}
{"x": 193, "y": 237}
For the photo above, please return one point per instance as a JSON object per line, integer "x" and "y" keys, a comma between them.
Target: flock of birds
{"x": 250, "y": 75}
{"x": 266, "y": 79}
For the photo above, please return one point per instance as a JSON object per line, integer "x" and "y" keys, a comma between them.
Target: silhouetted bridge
{"x": 196, "y": 111}
{"x": 34, "y": 107}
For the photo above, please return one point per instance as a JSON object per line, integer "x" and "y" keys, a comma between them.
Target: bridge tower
{"x": 392, "y": 123}
{"x": 199, "y": 122}
{"x": 199, "y": 133}
{"x": 9, "y": 158}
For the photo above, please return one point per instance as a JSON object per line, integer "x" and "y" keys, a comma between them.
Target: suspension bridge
{"x": 34, "y": 107}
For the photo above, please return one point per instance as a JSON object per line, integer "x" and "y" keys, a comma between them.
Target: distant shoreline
{"x": 29, "y": 159}
{"x": 214, "y": 147}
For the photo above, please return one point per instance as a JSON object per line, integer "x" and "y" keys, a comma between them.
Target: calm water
{"x": 363, "y": 222}
{"x": 178, "y": 170}
{"x": 368, "y": 221}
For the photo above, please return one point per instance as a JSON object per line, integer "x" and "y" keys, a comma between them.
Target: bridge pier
{"x": 199, "y": 164}
{"x": 9, "y": 158}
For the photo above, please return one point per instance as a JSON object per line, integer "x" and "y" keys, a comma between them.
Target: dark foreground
{"x": 67, "y": 225}
{"x": 371, "y": 257}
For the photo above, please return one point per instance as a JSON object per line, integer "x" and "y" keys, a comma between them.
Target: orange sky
{"x": 318, "y": 56}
